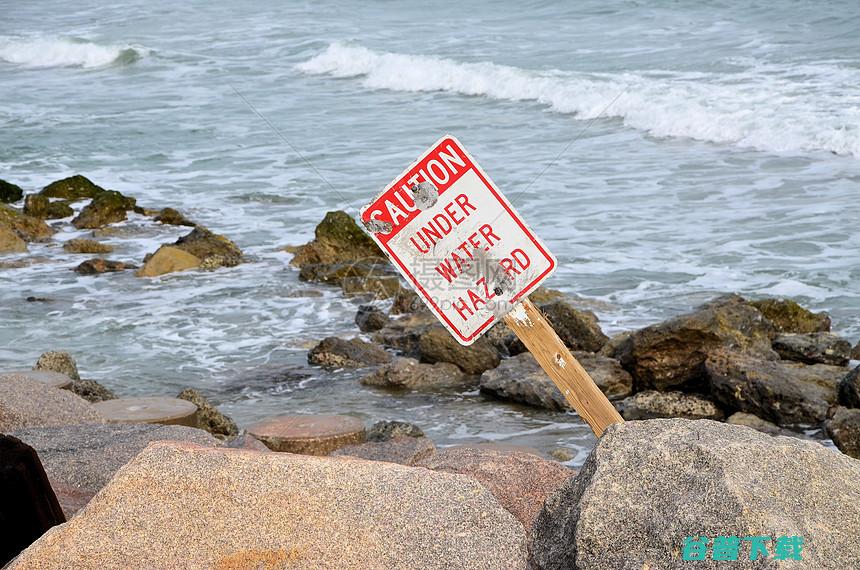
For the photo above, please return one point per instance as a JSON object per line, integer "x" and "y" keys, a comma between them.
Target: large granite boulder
{"x": 408, "y": 373}
{"x": 649, "y": 484}
{"x": 437, "y": 345}
{"x": 178, "y": 505}
{"x": 521, "y": 379}
{"x": 81, "y": 459}
{"x": 789, "y": 317}
{"x": 776, "y": 390}
{"x": 9, "y": 192}
{"x": 652, "y": 404}
{"x": 671, "y": 354}
{"x": 520, "y": 481}
{"x": 844, "y": 429}
{"x": 813, "y": 348}
{"x": 337, "y": 239}
{"x": 25, "y": 402}
{"x": 578, "y": 329}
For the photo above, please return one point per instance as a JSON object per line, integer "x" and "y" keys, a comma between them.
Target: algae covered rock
{"x": 92, "y": 391}
{"x": 212, "y": 249}
{"x": 789, "y": 317}
{"x": 106, "y": 208}
{"x": 333, "y": 352}
{"x": 9, "y": 192}
{"x": 338, "y": 238}
{"x": 73, "y": 188}
{"x": 437, "y": 345}
{"x": 40, "y": 206}
{"x": 82, "y": 245}
{"x": 813, "y": 348}
{"x": 98, "y": 265}
{"x": 208, "y": 416}
{"x": 58, "y": 361}
{"x": 26, "y": 227}
{"x": 173, "y": 217}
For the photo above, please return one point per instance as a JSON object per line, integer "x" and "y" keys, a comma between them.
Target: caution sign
{"x": 456, "y": 238}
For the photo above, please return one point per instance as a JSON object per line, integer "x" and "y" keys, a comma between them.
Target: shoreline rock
{"x": 333, "y": 352}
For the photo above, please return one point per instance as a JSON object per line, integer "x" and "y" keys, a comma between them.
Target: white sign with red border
{"x": 457, "y": 240}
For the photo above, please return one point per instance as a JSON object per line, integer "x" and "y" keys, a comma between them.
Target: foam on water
{"x": 61, "y": 52}
{"x": 759, "y": 105}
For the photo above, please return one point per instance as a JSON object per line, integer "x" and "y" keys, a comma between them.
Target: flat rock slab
{"x": 25, "y": 402}
{"x": 52, "y": 379}
{"x": 81, "y": 459}
{"x": 152, "y": 410}
{"x": 183, "y": 506}
{"x": 309, "y": 435}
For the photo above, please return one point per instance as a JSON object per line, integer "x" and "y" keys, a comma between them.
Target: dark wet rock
{"x": 98, "y": 265}
{"x": 505, "y": 340}
{"x": 209, "y": 417}
{"x": 844, "y": 429}
{"x": 400, "y": 449}
{"x": 653, "y": 404}
{"x": 614, "y": 344}
{"x": 849, "y": 389}
{"x": 756, "y": 423}
{"x": 671, "y": 354}
{"x": 25, "y": 402}
{"x": 731, "y": 480}
{"x": 388, "y": 429}
{"x": 370, "y": 318}
{"x": 779, "y": 391}
{"x": 407, "y": 301}
{"x": 373, "y": 288}
{"x": 268, "y": 378}
{"x": 521, "y": 379}
{"x": 92, "y": 391}
{"x": 34, "y": 299}
{"x": 106, "y": 208}
{"x": 58, "y": 361}
{"x": 410, "y": 374}
{"x": 520, "y": 481}
{"x": 72, "y": 188}
{"x": 789, "y": 317}
{"x": 168, "y": 259}
{"x": 212, "y": 249}
{"x": 26, "y": 227}
{"x": 82, "y": 245}
{"x": 9, "y": 192}
{"x": 855, "y": 352}
{"x": 333, "y": 352}
{"x": 173, "y": 217}
{"x": 83, "y": 458}
{"x": 813, "y": 348}
{"x": 10, "y": 241}
{"x": 437, "y": 345}
{"x": 404, "y": 333}
{"x": 337, "y": 239}
{"x": 579, "y": 330}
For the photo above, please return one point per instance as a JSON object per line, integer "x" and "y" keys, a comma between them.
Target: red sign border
{"x": 488, "y": 183}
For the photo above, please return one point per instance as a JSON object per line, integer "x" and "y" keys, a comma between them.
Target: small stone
{"x": 82, "y": 245}
{"x": 168, "y": 259}
{"x": 401, "y": 449}
{"x": 408, "y": 373}
{"x": 844, "y": 429}
{"x": 173, "y": 217}
{"x": 370, "y": 318}
{"x": 813, "y": 348}
{"x": 385, "y": 430}
{"x": 55, "y": 361}
{"x": 97, "y": 266}
{"x": 148, "y": 410}
{"x": 208, "y": 416}
{"x": 212, "y": 249}
{"x": 653, "y": 404}
{"x": 308, "y": 434}
{"x": 333, "y": 352}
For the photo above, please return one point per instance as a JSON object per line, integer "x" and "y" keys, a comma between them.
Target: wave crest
{"x": 774, "y": 107}
{"x": 60, "y": 52}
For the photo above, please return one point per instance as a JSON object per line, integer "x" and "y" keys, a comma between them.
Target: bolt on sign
{"x": 473, "y": 260}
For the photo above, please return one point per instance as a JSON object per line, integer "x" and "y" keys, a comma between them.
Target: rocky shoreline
{"x": 709, "y": 397}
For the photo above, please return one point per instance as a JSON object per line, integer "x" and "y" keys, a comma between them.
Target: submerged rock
{"x": 672, "y": 354}
{"x": 789, "y": 317}
{"x": 408, "y": 373}
{"x": 813, "y": 348}
{"x": 168, "y": 259}
{"x": 82, "y": 245}
{"x": 173, "y": 217}
{"x": 776, "y": 390}
{"x": 73, "y": 188}
{"x": 653, "y": 404}
{"x": 337, "y": 239}
{"x": 437, "y": 345}
{"x": 177, "y": 505}
{"x": 577, "y": 329}
{"x": 98, "y": 265}
{"x": 333, "y": 352}
{"x": 649, "y": 484}
{"x": 9, "y": 192}
{"x": 106, "y": 208}
{"x": 844, "y": 429}
{"x": 58, "y": 361}
{"x": 209, "y": 417}
{"x": 370, "y": 318}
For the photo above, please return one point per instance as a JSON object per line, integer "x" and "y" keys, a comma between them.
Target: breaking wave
{"x": 773, "y": 107}
{"x": 59, "y": 52}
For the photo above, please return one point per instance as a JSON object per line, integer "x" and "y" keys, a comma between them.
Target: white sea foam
{"x": 61, "y": 52}
{"x": 770, "y": 107}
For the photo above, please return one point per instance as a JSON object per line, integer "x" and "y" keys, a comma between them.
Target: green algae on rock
{"x": 106, "y": 208}
{"x": 9, "y": 192}
{"x": 789, "y": 317}
{"x": 73, "y": 188}
{"x": 338, "y": 238}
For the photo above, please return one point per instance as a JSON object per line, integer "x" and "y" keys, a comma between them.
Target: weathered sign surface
{"x": 457, "y": 240}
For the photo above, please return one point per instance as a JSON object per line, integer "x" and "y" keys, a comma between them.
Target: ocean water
{"x": 666, "y": 152}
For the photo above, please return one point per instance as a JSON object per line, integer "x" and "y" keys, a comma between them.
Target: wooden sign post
{"x": 473, "y": 260}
